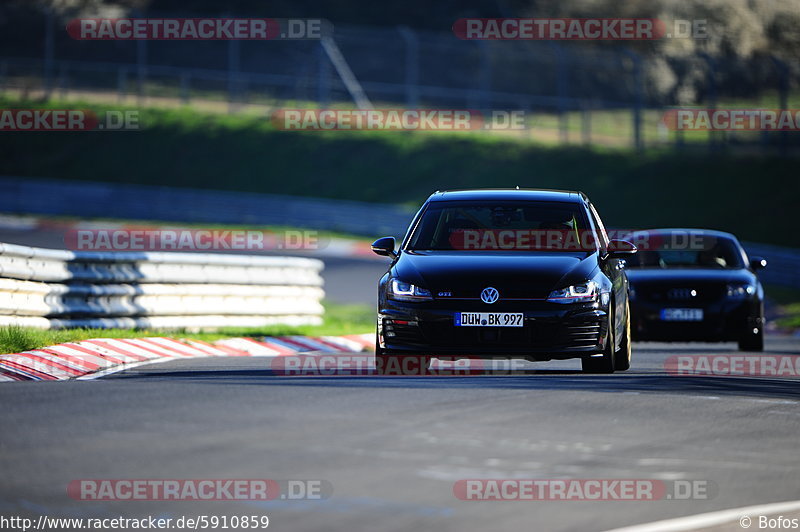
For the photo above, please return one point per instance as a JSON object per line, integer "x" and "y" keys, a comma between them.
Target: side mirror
{"x": 757, "y": 263}
{"x": 384, "y": 247}
{"x": 620, "y": 249}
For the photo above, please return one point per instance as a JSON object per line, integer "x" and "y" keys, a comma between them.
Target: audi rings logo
{"x": 490, "y": 295}
{"x": 681, "y": 293}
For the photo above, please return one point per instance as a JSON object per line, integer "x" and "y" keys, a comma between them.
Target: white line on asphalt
{"x": 695, "y": 522}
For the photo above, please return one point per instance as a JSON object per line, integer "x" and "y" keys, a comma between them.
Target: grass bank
{"x": 749, "y": 195}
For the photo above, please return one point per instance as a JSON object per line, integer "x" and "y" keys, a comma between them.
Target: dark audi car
{"x": 695, "y": 285}
{"x": 525, "y": 274}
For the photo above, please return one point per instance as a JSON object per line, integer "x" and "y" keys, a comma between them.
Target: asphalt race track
{"x": 393, "y": 447}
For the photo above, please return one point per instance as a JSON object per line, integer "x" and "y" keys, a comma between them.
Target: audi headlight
{"x": 740, "y": 290}
{"x": 579, "y": 293}
{"x": 407, "y": 292}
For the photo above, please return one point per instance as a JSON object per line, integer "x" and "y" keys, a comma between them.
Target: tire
{"x": 378, "y": 350}
{"x": 393, "y": 364}
{"x": 605, "y": 363}
{"x": 622, "y": 358}
{"x": 382, "y": 362}
{"x": 405, "y": 365}
{"x": 752, "y": 341}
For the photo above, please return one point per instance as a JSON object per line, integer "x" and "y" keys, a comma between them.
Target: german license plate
{"x": 488, "y": 319}
{"x": 682, "y": 314}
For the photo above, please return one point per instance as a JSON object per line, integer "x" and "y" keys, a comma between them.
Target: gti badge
{"x": 490, "y": 295}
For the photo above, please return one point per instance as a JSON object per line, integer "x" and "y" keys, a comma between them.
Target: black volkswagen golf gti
{"x": 525, "y": 274}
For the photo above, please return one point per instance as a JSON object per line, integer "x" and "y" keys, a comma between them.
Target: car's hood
{"x": 514, "y": 274}
{"x": 688, "y": 275}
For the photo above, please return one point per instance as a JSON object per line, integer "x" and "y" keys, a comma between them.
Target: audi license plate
{"x": 682, "y": 314}
{"x": 488, "y": 319}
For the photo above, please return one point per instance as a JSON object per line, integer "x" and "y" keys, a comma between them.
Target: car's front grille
{"x": 402, "y": 331}
{"x": 689, "y": 293}
{"x": 535, "y": 334}
{"x": 681, "y": 293}
{"x": 581, "y": 335}
{"x": 445, "y": 334}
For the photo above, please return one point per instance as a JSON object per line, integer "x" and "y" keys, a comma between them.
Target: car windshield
{"x": 509, "y": 226}
{"x": 685, "y": 251}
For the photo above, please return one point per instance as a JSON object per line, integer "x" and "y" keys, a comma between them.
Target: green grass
{"x": 790, "y": 316}
{"x": 609, "y": 127}
{"x": 745, "y": 193}
{"x": 787, "y": 303}
{"x": 338, "y": 320}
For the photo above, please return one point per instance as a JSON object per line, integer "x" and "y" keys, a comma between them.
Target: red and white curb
{"x": 89, "y": 359}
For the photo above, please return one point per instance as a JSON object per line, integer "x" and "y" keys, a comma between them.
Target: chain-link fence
{"x": 609, "y": 94}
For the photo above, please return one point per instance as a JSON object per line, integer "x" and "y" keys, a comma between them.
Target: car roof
{"x": 684, "y": 230}
{"x": 509, "y": 194}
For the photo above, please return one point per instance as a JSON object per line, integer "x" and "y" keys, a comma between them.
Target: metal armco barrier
{"x": 58, "y": 289}
{"x": 87, "y": 199}
{"x": 783, "y": 264}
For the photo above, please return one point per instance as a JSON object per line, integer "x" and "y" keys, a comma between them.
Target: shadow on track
{"x": 572, "y": 380}
{"x": 705, "y": 348}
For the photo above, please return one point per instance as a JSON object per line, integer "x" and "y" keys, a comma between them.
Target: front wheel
{"x": 622, "y": 358}
{"x": 604, "y": 363}
{"x": 402, "y": 365}
{"x": 378, "y": 349}
{"x": 394, "y": 364}
{"x": 752, "y": 341}
{"x": 383, "y": 362}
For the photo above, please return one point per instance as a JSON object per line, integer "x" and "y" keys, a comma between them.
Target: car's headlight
{"x": 740, "y": 290}
{"x": 585, "y": 293}
{"x": 407, "y": 291}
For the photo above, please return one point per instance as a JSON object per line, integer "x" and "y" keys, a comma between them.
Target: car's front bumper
{"x": 549, "y": 331}
{"x": 722, "y": 321}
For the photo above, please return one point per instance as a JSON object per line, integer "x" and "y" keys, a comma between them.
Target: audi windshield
{"x": 686, "y": 250}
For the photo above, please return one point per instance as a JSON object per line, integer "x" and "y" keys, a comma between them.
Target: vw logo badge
{"x": 490, "y": 295}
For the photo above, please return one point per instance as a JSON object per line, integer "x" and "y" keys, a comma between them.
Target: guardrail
{"x": 783, "y": 264}
{"x": 59, "y": 289}
{"x": 89, "y": 199}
